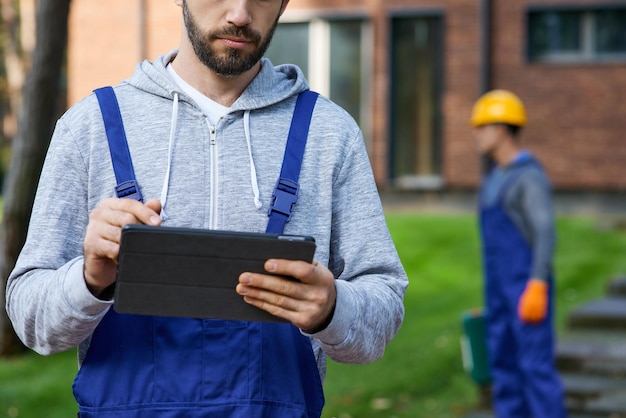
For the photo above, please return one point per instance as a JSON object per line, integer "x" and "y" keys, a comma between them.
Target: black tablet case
{"x": 193, "y": 273}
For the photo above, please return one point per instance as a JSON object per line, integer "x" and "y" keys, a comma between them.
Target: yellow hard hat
{"x": 498, "y": 106}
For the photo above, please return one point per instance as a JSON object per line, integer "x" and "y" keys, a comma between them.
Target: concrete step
{"x": 607, "y": 313}
{"x": 589, "y": 386}
{"x": 581, "y": 390}
{"x": 598, "y": 352}
{"x": 586, "y": 396}
{"x": 612, "y": 405}
{"x": 489, "y": 414}
{"x": 617, "y": 287}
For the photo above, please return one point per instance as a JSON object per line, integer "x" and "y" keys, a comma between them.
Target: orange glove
{"x": 533, "y": 304}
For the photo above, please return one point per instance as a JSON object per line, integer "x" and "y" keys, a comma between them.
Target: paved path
{"x": 609, "y": 205}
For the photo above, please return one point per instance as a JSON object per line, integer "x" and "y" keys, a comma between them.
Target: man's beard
{"x": 234, "y": 62}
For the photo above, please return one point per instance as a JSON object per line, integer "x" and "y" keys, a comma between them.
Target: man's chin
{"x": 229, "y": 71}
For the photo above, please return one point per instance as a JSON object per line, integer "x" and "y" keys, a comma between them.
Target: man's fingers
{"x": 155, "y": 205}
{"x": 101, "y": 248}
{"x": 120, "y": 212}
{"x": 263, "y": 286}
{"x": 103, "y": 235}
{"x": 300, "y": 270}
{"x": 105, "y": 231}
{"x": 306, "y": 302}
{"x": 107, "y": 219}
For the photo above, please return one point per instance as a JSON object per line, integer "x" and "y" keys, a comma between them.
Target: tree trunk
{"x": 13, "y": 63}
{"x": 12, "y": 72}
{"x": 36, "y": 123}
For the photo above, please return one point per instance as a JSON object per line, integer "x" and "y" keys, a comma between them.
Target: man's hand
{"x": 533, "y": 304}
{"x": 307, "y": 302}
{"x": 102, "y": 240}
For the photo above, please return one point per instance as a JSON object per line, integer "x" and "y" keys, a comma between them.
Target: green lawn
{"x": 421, "y": 374}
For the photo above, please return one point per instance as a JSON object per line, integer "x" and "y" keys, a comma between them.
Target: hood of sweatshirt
{"x": 272, "y": 85}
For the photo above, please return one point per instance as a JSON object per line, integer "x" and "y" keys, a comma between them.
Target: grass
{"x": 35, "y": 387}
{"x": 421, "y": 374}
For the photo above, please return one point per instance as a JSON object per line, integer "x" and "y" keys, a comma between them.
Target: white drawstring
{"x": 166, "y": 181}
{"x": 253, "y": 177}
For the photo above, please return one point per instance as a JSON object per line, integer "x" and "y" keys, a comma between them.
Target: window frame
{"x": 433, "y": 181}
{"x": 587, "y": 54}
{"x": 318, "y": 73}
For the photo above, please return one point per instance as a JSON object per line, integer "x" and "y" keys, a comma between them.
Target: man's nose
{"x": 239, "y": 14}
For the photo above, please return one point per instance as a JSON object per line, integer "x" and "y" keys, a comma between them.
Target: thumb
{"x": 155, "y": 205}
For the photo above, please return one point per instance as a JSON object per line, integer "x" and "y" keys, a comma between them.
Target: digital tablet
{"x": 193, "y": 273}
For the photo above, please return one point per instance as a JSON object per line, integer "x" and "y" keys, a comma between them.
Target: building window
{"x": 290, "y": 45}
{"x": 575, "y": 35}
{"x": 334, "y": 54}
{"x": 416, "y": 71}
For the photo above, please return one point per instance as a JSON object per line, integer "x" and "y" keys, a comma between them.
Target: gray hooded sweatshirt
{"x": 216, "y": 177}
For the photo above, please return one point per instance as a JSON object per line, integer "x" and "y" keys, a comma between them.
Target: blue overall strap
{"x": 120, "y": 155}
{"x": 286, "y": 191}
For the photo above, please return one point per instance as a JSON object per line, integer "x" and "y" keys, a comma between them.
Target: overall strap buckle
{"x": 129, "y": 190}
{"x": 284, "y": 197}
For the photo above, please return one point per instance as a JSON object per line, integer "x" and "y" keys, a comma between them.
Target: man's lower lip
{"x": 235, "y": 44}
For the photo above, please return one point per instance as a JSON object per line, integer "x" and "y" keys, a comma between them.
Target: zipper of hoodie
{"x": 214, "y": 183}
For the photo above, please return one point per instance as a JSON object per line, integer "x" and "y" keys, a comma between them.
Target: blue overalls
{"x": 149, "y": 366}
{"x": 525, "y": 382}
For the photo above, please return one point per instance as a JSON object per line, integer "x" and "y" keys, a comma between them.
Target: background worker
{"x": 207, "y": 126}
{"x": 518, "y": 236}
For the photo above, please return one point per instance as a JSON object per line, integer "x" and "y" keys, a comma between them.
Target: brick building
{"x": 410, "y": 70}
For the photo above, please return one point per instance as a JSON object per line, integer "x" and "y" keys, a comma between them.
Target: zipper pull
{"x": 212, "y": 130}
